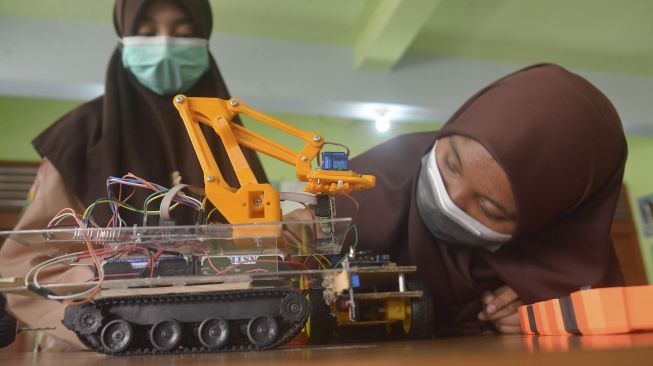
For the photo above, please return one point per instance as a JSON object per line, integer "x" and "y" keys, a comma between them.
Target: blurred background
{"x": 358, "y": 71}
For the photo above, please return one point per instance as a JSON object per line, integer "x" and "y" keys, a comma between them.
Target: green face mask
{"x": 165, "y": 65}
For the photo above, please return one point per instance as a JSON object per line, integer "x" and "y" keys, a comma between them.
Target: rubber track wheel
{"x": 263, "y": 330}
{"x": 116, "y": 336}
{"x": 213, "y": 333}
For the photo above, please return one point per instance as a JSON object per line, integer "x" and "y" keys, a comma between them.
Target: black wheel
{"x": 116, "y": 336}
{"x": 419, "y": 325}
{"x": 166, "y": 335}
{"x": 321, "y": 324}
{"x": 294, "y": 307}
{"x": 213, "y": 333}
{"x": 263, "y": 330}
{"x": 88, "y": 320}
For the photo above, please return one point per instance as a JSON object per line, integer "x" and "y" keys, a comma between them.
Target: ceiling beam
{"x": 390, "y": 29}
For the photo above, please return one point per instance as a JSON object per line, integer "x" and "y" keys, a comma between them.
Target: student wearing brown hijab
{"x": 133, "y": 127}
{"x": 510, "y": 202}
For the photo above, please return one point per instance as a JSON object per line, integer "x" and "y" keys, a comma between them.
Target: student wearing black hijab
{"x": 510, "y": 203}
{"x": 133, "y": 127}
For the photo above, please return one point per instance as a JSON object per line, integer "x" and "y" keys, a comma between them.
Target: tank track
{"x": 292, "y": 324}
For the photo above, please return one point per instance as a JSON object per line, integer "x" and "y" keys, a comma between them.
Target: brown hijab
{"x": 561, "y": 143}
{"x": 131, "y": 129}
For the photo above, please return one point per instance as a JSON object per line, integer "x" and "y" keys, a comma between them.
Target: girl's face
{"x": 476, "y": 183}
{"x": 164, "y": 18}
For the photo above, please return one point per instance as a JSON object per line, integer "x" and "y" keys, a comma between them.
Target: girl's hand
{"x": 500, "y": 308}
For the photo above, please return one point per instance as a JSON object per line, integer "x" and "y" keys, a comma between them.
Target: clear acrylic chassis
{"x": 243, "y": 242}
{"x": 320, "y": 236}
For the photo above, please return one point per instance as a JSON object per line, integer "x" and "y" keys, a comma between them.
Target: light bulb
{"x": 382, "y": 124}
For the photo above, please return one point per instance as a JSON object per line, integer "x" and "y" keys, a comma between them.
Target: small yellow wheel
{"x": 408, "y": 319}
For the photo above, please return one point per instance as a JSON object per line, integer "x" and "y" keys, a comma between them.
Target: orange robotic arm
{"x": 254, "y": 201}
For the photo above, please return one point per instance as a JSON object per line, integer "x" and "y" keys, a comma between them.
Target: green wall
{"x": 639, "y": 177}
{"x": 22, "y": 119}
{"x": 357, "y": 135}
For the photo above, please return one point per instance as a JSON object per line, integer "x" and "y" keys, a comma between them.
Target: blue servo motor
{"x": 335, "y": 160}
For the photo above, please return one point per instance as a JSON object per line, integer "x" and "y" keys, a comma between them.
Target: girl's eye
{"x": 146, "y": 29}
{"x": 184, "y": 30}
{"x": 488, "y": 212}
{"x": 450, "y": 165}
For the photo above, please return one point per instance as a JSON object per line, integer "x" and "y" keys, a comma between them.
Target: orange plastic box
{"x": 611, "y": 310}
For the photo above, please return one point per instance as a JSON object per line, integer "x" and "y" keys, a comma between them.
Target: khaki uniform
{"x": 16, "y": 259}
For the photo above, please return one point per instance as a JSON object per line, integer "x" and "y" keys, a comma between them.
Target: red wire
{"x": 160, "y": 251}
{"x": 257, "y": 270}
{"x": 232, "y": 267}
{"x": 96, "y": 261}
{"x": 116, "y": 205}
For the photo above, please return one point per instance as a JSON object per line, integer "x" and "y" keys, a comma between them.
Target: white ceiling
{"x": 67, "y": 60}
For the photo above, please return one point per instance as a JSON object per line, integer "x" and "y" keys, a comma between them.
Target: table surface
{"x": 621, "y": 350}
